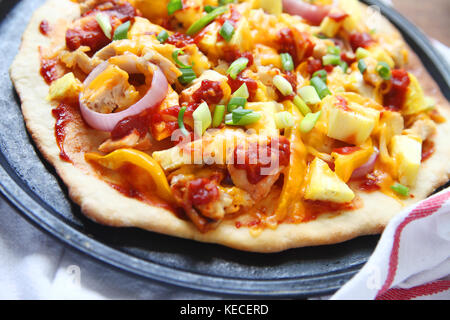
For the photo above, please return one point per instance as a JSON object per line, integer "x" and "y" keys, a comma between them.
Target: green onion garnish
{"x": 322, "y": 74}
{"x": 284, "y": 120}
{"x": 309, "y": 121}
{"x": 163, "y": 36}
{"x": 309, "y": 95}
{"x": 173, "y": 6}
{"x": 362, "y": 66}
{"x": 205, "y": 20}
{"x": 331, "y": 59}
{"x": 175, "y": 55}
{"x": 188, "y": 76}
{"x": 287, "y": 62}
{"x": 362, "y": 53}
{"x": 283, "y": 85}
{"x": 121, "y": 32}
{"x": 333, "y": 50}
{"x": 301, "y": 105}
{"x": 219, "y": 112}
{"x": 104, "y": 23}
{"x": 225, "y": 2}
{"x": 242, "y": 117}
{"x": 227, "y": 31}
{"x": 400, "y": 189}
{"x": 237, "y": 67}
{"x": 181, "y": 121}
{"x": 242, "y": 92}
{"x": 384, "y": 70}
{"x": 202, "y": 119}
{"x": 236, "y": 102}
{"x": 344, "y": 66}
{"x": 320, "y": 86}
{"x": 209, "y": 8}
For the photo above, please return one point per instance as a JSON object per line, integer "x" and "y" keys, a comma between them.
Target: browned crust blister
{"x": 100, "y": 202}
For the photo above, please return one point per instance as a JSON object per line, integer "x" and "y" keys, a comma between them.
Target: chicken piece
{"x": 423, "y": 128}
{"x": 80, "y": 59}
{"x": 133, "y": 140}
{"x": 110, "y": 91}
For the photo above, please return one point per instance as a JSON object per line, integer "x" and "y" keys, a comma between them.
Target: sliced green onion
{"x": 331, "y": 59}
{"x": 205, "y": 20}
{"x": 362, "y": 53}
{"x": 362, "y": 66}
{"x": 333, "y": 50}
{"x": 242, "y": 92}
{"x": 283, "y": 85}
{"x": 400, "y": 189}
{"x": 309, "y": 121}
{"x": 320, "y": 36}
{"x": 242, "y": 117}
{"x": 121, "y": 32}
{"x": 163, "y": 36}
{"x": 202, "y": 119}
{"x": 237, "y": 67}
{"x": 219, "y": 112}
{"x": 173, "y": 6}
{"x": 384, "y": 70}
{"x": 209, "y": 8}
{"x": 287, "y": 62}
{"x": 188, "y": 75}
{"x": 284, "y": 120}
{"x": 301, "y": 105}
{"x": 227, "y": 31}
{"x": 181, "y": 121}
{"x": 225, "y": 2}
{"x": 104, "y": 23}
{"x": 322, "y": 74}
{"x": 236, "y": 102}
{"x": 320, "y": 86}
{"x": 344, "y": 66}
{"x": 309, "y": 95}
{"x": 175, "y": 55}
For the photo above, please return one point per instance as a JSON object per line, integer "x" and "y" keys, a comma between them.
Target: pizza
{"x": 258, "y": 125}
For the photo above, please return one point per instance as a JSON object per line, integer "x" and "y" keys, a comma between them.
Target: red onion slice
{"x": 107, "y": 121}
{"x": 366, "y": 168}
{"x": 311, "y": 12}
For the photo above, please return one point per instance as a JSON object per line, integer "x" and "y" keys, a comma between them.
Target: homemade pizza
{"x": 261, "y": 125}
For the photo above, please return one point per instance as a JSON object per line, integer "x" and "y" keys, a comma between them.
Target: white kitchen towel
{"x": 412, "y": 258}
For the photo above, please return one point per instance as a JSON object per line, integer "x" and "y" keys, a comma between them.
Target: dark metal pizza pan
{"x": 31, "y": 185}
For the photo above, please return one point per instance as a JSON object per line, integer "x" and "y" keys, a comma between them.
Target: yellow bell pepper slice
{"x": 118, "y": 158}
{"x": 290, "y": 202}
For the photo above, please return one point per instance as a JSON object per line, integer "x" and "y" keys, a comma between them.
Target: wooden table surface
{"x": 432, "y": 16}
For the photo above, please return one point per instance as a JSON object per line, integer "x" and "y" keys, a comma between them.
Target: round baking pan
{"x": 31, "y": 185}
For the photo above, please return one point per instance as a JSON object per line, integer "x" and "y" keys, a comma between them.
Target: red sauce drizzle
{"x": 121, "y": 10}
{"x": 230, "y": 54}
{"x": 286, "y": 40}
{"x": 342, "y": 103}
{"x": 428, "y": 149}
{"x": 313, "y": 65}
{"x": 180, "y": 40}
{"x": 48, "y": 70}
{"x": 338, "y": 16}
{"x": 346, "y": 150}
{"x": 209, "y": 91}
{"x": 369, "y": 183}
{"x": 362, "y": 40}
{"x": 253, "y": 162}
{"x": 44, "y": 27}
{"x": 396, "y": 96}
{"x": 89, "y": 34}
{"x": 137, "y": 123}
{"x": 63, "y": 116}
{"x": 252, "y": 85}
{"x": 348, "y": 57}
{"x": 202, "y": 191}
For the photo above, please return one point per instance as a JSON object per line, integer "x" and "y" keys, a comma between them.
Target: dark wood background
{"x": 432, "y": 16}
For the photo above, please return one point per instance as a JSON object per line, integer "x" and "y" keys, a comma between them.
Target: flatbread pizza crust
{"x": 105, "y": 205}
